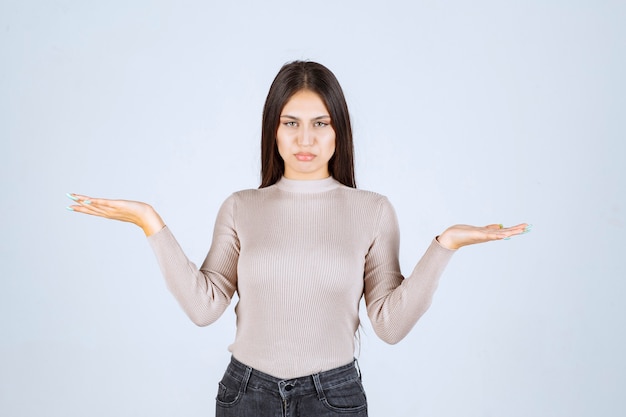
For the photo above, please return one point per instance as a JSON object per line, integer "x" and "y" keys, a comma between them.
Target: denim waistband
{"x": 316, "y": 383}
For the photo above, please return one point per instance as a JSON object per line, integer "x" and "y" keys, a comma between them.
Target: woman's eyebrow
{"x": 288, "y": 116}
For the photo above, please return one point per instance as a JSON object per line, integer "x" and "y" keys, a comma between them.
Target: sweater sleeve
{"x": 395, "y": 304}
{"x": 203, "y": 293}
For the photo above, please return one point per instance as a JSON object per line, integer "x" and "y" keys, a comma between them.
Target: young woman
{"x": 300, "y": 252}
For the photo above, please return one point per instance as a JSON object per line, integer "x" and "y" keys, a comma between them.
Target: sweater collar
{"x": 307, "y": 186}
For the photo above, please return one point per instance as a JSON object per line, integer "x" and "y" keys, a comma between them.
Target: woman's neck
{"x": 308, "y": 186}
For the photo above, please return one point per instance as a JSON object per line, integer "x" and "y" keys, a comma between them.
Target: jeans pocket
{"x": 228, "y": 391}
{"x": 348, "y": 397}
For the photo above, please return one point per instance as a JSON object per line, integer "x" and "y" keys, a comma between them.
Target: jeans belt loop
{"x": 318, "y": 387}
{"x": 246, "y": 379}
{"x": 358, "y": 368}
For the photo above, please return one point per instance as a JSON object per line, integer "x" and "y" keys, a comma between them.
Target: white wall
{"x": 464, "y": 112}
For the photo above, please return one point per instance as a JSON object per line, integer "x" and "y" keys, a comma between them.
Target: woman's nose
{"x": 305, "y": 137}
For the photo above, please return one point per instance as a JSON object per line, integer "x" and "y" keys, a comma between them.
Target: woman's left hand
{"x": 461, "y": 235}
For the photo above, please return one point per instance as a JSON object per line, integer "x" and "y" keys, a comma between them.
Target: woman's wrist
{"x": 150, "y": 221}
{"x": 445, "y": 241}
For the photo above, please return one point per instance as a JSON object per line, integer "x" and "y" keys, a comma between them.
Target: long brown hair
{"x": 306, "y": 75}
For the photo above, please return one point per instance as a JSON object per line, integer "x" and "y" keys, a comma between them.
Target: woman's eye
{"x": 290, "y": 124}
{"x": 321, "y": 124}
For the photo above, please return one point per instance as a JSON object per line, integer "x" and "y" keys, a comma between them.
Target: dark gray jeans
{"x": 246, "y": 392}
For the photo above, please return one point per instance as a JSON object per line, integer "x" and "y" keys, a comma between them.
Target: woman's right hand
{"x": 136, "y": 212}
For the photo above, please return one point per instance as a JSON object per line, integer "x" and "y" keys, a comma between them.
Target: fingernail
{"x": 528, "y": 228}
{"x": 70, "y": 196}
{"x": 507, "y": 238}
{"x": 87, "y": 202}
{"x": 501, "y": 226}
{"x": 69, "y": 208}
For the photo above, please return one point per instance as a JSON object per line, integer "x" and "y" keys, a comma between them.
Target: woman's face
{"x": 305, "y": 137}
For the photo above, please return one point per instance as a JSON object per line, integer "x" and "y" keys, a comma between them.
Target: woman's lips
{"x": 304, "y": 156}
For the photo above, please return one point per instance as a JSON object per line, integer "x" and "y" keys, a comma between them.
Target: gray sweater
{"x": 300, "y": 255}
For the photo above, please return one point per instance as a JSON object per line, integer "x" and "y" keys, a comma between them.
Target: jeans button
{"x": 288, "y": 387}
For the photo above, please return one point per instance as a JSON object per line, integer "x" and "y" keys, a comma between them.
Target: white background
{"x": 464, "y": 112}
